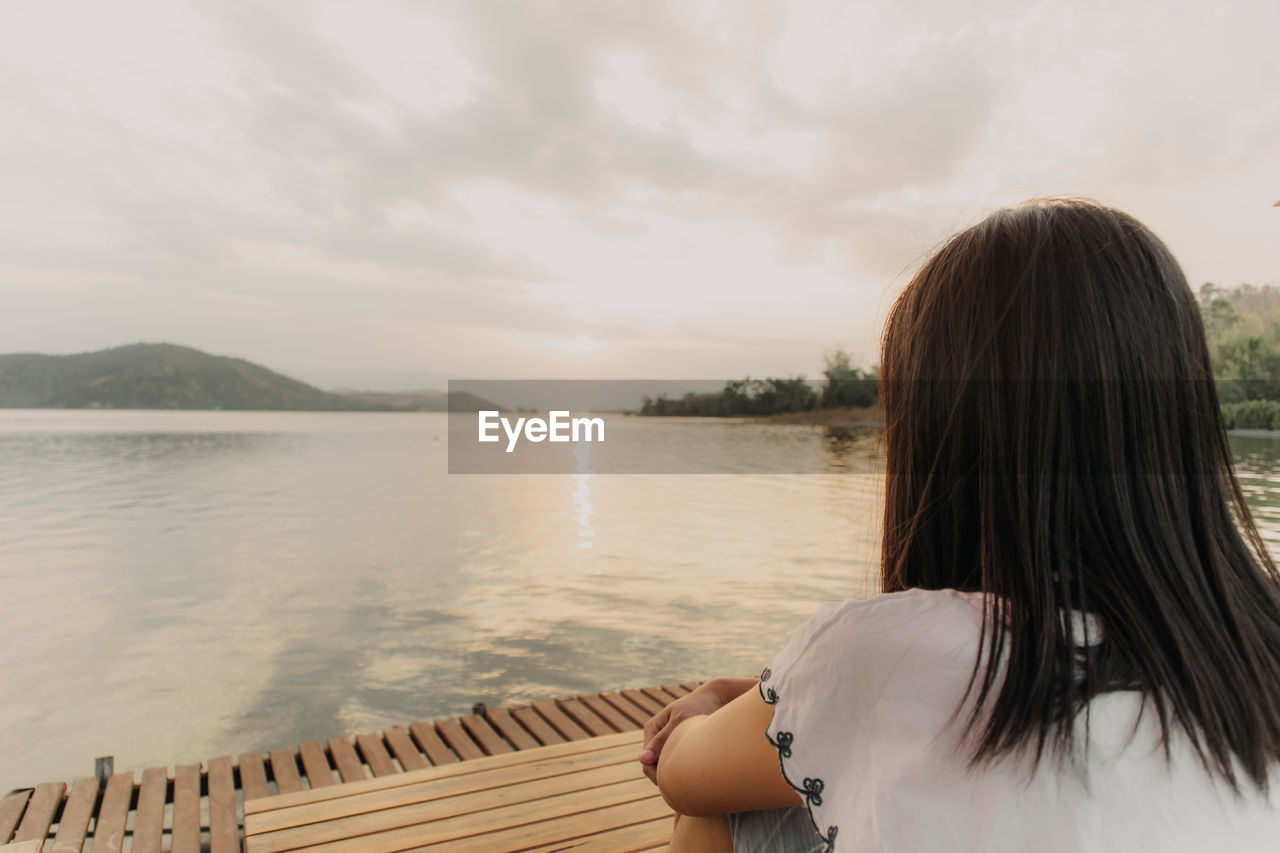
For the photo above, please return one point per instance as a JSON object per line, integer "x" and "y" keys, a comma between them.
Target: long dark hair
{"x": 1054, "y": 440}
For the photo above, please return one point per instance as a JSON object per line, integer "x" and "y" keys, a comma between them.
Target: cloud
{"x": 649, "y": 175}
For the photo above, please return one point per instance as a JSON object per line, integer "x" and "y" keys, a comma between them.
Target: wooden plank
{"x": 108, "y": 829}
{"x": 36, "y": 846}
{"x": 483, "y": 733}
{"x": 608, "y": 713}
{"x": 452, "y": 733}
{"x": 627, "y": 708}
{"x": 316, "y": 764}
{"x": 509, "y": 728}
{"x": 620, "y": 837}
{"x": 73, "y": 826}
{"x": 465, "y": 814}
{"x": 427, "y": 790}
{"x": 581, "y": 749}
{"x": 253, "y": 776}
{"x": 676, "y": 690}
{"x": 558, "y": 721}
{"x": 11, "y": 809}
{"x": 537, "y": 726}
{"x": 405, "y": 750}
{"x": 376, "y": 755}
{"x": 284, "y": 769}
{"x": 643, "y": 701}
{"x": 583, "y": 716}
{"x": 434, "y": 748}
{"x": 39, "y": 814}
{"x": 658, "y": 695}
{"x": 186, "y": 809}
{"x": 692, "y": 685}
{"x": 568, "y": 833}
{"x": 348, "y": 763}
{"x": 148, "y": 820}
{"x": 224, "y": 828}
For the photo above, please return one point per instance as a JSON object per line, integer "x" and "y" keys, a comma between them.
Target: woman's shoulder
{"x": 867, "y": 640}
{"x": 898, "y": 617}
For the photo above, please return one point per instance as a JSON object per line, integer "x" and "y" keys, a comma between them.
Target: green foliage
{"x": 1252, "y": 414}
{"x": 740, "y": 397}
{"x": 1242, "y": 326}
{"x": 845, "y": 385}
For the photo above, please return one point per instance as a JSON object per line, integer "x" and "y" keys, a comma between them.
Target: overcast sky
{"x": 387, "y": 194}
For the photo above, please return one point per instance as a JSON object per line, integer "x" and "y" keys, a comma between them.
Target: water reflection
{"x": 221, "y": 582}
{"x": 1257, "y": 467}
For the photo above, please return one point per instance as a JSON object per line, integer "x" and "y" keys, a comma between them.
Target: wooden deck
{"x": 586, "y": 795}
{"x": 201, "y": 806}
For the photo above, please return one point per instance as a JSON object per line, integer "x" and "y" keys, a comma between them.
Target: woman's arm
{"x": 723, "y": 762}
{"x": 708, "y": 698}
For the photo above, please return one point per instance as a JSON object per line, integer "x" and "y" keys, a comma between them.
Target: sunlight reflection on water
{"x": 187, "y": 584}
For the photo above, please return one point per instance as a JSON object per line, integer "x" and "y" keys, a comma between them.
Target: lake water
{"x": 183, "y": 585}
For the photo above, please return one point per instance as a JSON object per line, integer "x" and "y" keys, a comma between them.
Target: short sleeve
{"x": 838, "y": 678}
{"x": 791, "y": 685}
{"x": 777, "y": 672}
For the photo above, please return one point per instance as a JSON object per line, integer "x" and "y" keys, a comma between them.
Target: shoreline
{"x": 846, "y": 416}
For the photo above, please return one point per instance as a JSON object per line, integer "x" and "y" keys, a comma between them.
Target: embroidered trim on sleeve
{"x": 811, "y": 788}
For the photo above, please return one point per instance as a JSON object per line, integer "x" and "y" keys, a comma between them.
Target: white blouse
{"x": 864, "y": 696}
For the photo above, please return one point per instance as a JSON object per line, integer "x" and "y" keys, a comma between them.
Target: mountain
{"x": 166, "y": 376}
{"x": 419, "y": 401}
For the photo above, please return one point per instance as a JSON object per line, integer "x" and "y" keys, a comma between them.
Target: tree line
{"x": 1242, "y": 326}
{"x": 842, "y": 385}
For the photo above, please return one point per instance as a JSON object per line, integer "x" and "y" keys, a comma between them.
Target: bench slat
{"x": 108, "y": 830}
{"x": 39, "y": 814}
{"x": 569, "y": 833}
{"x": 315, "y": 764}
{"x": 583, "y": 716}
{"x": 73, "y": 826}
{"x": 627, "y": 708}
{"x": 186, "y": 809}
{"x": 376, "y": 755}
{"x": 558, "y": 721}
{"x": 608, "y": 713}
{"x": 623, "y": 837}
{"x": 642, "y": 701}
{"x": 253, "y": 776}
{"x": 224, "y": 828}
{"x": 538, "y": 727}
{"x": 11, "y": 809}
{"x": 510, "y": 728}
{"x": 284, "y": 769}
{"x": 490, "y": 741}
{"x": 431, "y": 744}
{"x": 405, "y": 750}
{"x": 459, "y": 741}
{"x": 148, "y": 819}
{"x": 348, "y": 763}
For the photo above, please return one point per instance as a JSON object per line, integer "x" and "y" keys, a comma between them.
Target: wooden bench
{"x": 198, "y": 807}
{"x": 584, "y": 795}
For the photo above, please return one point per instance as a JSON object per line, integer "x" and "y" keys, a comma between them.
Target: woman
{"x": 1078, "y": 642}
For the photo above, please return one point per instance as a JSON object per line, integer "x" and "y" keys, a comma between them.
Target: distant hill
{"x": 167, "y": 376}
{"x": 419, "y": 401}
